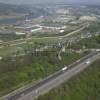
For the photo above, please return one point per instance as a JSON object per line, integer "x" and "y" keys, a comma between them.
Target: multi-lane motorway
{"x": 54, "y": 80}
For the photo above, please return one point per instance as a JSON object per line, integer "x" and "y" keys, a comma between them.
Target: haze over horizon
{"x": 49, "y": 1}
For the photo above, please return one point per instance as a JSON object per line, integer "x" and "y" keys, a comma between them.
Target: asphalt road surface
{"x": 54, "y": 80}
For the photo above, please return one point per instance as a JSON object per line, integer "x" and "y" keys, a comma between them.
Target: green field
{"x": 8, "y": 50}
{"x": 84, "y": 86}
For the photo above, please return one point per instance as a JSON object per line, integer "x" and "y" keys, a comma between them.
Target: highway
{"x": 54, "y": 80}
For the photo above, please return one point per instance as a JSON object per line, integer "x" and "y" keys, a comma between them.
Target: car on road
{"x": 97, "y": 50}
{"x": 87, "y": 62}
{"x": 65, "y": 68}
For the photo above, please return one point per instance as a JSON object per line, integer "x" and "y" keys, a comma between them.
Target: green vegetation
{"x": 7, "y": 51}
{"x": 94, "y": 27}
{"x": 93, "y": 42}
{"x": 84, "y": 86}
{"x": 25, "y": 44}
{"x": 16, "y": 72}
{"x": 30, "y": 42}
{"x": 10, "y": 36}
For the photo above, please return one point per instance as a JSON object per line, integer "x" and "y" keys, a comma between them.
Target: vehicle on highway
{"x": 97, "y": 50}
{"x": 65, "y": 68}
{"x": 87, "y": 62}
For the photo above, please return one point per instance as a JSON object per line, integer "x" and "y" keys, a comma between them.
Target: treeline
{"x": 93, "y": 28}
{"x": 90, "y": 43}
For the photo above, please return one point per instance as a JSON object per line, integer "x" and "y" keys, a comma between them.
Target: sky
{"x": 48, "y": 1}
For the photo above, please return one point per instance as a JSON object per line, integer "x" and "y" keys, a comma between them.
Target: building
{"x": 87, "y": 18}
{"x": 30, "y": 28}
{"x": 36, "y": 29}
{"x": 62, "y": 11}
{"x": 53, "y": 27}
{"x": 20, "y": 33}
